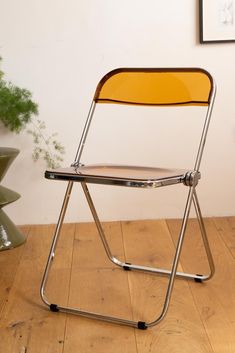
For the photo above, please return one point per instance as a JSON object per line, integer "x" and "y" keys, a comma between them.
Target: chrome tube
{"x": 96, "y": 316}
{"x": 176, "y": 259}
{"x": 84, "y": 134}
{"x": 205, "y": 130}
{"x": 204, "y": 237}
{"x": 99, "y": 226}
{"x": 164, "y": 272}
{"x": 55, "y": 240}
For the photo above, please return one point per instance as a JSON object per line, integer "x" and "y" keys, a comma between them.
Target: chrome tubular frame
{"x": 204, "y": 238}
{"x": 99, "y": 227}
{"x": 65, "y": 204}
{"x": 205, "y": 129}
{"x": 192, "y": 197}
{"x": 172, "y": 274}
{"x": 54, "y": 242}
{"x": 84, "y": 134}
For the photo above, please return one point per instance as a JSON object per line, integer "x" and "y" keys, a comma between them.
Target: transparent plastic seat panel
{"x": 123, "y": 174}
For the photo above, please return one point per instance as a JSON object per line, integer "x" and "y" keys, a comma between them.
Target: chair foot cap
{"x": 127, "y": 268}
{"x": 54, "y": 308}
{"x": 198, "y": 280}
{"x": 142, "y": 325}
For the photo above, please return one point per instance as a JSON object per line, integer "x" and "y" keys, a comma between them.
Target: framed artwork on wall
{"x": 217, "y": 21}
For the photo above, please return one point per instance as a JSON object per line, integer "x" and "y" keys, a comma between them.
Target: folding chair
{"x": 151, "y": 87}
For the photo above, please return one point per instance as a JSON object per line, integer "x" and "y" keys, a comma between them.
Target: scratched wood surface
{"x": 200, "y": 318}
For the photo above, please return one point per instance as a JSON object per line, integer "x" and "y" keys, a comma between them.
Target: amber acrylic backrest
{"x": 155, "y": 87}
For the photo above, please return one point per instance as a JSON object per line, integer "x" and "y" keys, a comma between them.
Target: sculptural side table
{"x": 10, "y": 236}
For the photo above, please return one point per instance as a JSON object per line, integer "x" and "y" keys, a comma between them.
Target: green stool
{"x": 10, "y": 236}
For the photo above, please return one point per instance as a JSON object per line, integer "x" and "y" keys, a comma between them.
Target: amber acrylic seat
{"x": 157, "y": 87}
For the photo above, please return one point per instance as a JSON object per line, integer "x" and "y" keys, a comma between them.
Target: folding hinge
{"x": 192, "y": 178}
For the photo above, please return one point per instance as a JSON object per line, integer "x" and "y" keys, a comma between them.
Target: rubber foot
{"x": 142, "y": 325}
{"x": 198, "y": 280}
{"x": 54, "y": 308}
{"x": 127, "y": 268}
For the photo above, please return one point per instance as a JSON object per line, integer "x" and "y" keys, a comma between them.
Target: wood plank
{"x": 90, "y": 250}
{"x": 26, "y": 324}
{"x": 226, "y": 228}
{"x": 214, "y": 299}
{"x": 99, "y": 287}
{"x": 200, "y": 318}
{"x": 193, "y": 254}
{"x": 149, "y": 243}
{"x": 9, "y": 261}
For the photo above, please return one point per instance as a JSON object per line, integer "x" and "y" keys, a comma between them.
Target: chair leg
{"x": 112, "y": 258}
{"x": 54, "y": 243}
{"x": 173, "y": 273}
{"x": 204, "y": 238}
{"x": 196, "y": 277}
{"x": 176, "y": 259}
{"x": 128, "y": 266}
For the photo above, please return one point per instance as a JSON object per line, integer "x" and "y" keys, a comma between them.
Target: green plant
{"x": 17, "y": 110}
{"x": 46, "y": 147}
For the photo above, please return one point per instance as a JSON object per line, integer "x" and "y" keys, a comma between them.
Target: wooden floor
{"x": 201, "y": 318}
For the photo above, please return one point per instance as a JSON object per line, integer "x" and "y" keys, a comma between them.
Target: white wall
{"x": 60, "y": 49}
